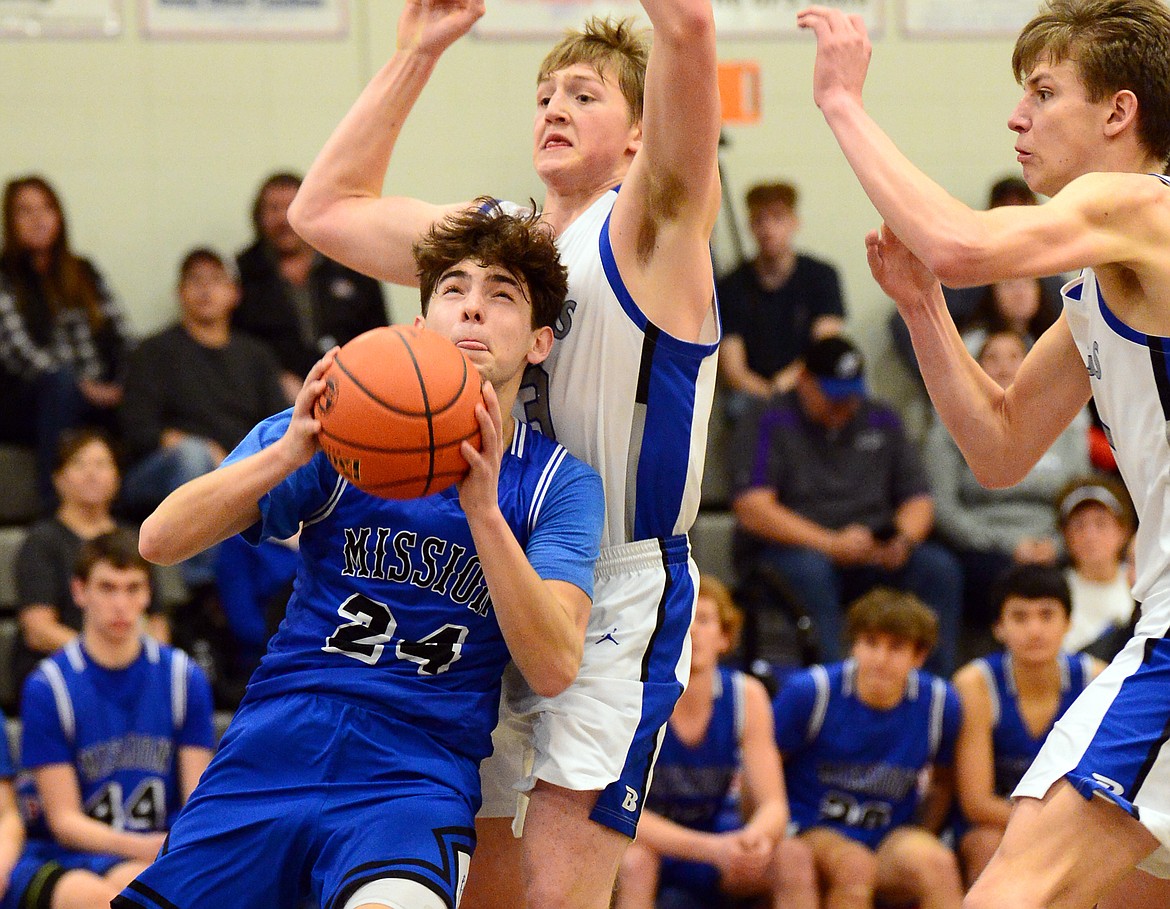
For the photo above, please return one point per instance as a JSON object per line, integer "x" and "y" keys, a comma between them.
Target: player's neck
{"x": 879, "y": 695}
{"x": 1101, "y": 572}
{"x": 111, "y": 652}
{"x": 1034, "y": 680}
{"x": 564, "y": 206}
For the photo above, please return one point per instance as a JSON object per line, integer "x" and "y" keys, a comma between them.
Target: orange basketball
{"x": 398, "y": 402}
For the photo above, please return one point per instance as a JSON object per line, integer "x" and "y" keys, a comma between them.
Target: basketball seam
{"x": 382, "y": 402}
{"x": 427, "y": 406}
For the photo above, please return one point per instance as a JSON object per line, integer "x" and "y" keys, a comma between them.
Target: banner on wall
{"x": 967, "y": 18}
{"x": 747, "y": 19}
{"x": 60, "y": 18}
{"x": 244, "y": 18}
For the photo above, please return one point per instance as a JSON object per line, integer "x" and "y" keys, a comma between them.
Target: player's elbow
{"x": 691, "y": 22}
{"x": 957, "y": 262}
{"x": 555, "y": 674}
{"x": 998, "y": 475}
{"x": 154, "y": 540}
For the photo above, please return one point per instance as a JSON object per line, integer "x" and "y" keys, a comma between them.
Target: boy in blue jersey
{"x": 720, "y": 734}
{"x": 858, "y": 739}
{"x": 350, "y": 772}
{"x": 117, "y": 729}
{"x": 1011, "y": 700}
{"x": 11, "y": 827}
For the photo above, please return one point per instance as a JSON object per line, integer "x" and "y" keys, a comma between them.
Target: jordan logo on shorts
{"x": 608, "y": 636}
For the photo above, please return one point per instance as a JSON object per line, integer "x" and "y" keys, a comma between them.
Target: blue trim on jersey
{"x": 690, "y": 348}
{"x": 1118, "y": 327}
{"x": 1158, "y": 346}
{"x": 1131, "y": 735}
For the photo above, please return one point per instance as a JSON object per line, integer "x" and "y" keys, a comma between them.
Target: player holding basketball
{"x": 1094, "y": 133}
{"x": 628, "y": 389}
{"x": 350, "y": 772}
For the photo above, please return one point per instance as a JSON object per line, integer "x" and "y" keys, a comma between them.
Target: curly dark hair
{"x": 521, "y": 244}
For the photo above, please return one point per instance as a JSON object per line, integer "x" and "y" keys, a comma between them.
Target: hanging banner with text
{"x": 744, "y": 19}
{"x": 966, "y": 18}
{"x": 60, "y": 18}
{"x": 244, "y": 18}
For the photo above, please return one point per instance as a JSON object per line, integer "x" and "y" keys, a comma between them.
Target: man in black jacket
{"x": 293, "y": 299}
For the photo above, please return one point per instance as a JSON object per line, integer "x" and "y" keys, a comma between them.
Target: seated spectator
{"x": 193, "y": 392}
{"x": 86, "y": 481}
{"x": 11, "y": 826}
{"x": 293, "y": 299}
{"x": 720, "y": 731}
{"x": 962, "y": 301}
{"x": 1011, "y": 699}
{"x": 1097, "y": 521}
{"x": 775, "y": 305}
{"x": 117, "y": 730}
{"x": 832, "y": 494}
{"x": 1021, "y": 306}
{"x": 859, "y": 738}
{"x": 992, "y": 529}
{"x": 63, "y": 336}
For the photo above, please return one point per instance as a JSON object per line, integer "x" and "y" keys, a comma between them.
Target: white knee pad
{"x": 395, "y": 893}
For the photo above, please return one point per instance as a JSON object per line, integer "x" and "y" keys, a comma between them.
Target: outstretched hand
{"x": 843, "y": 52}
{"x": 898, "y": 271}
{"x": 300, "y": 439}
{"x": 431, "y": 26}
{"x": 479, "y": 492}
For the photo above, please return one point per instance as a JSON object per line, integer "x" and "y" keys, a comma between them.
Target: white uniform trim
{"x": 327, "y": 509}
{"x": 56, "y": 680}
{"x": 179, "y": 689}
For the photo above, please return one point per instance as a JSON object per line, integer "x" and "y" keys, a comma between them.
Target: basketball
{"x": 398, "y": 402}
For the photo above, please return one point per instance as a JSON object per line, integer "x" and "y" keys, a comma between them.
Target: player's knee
{"x": 638, "y": 863}
{"x": 793, "y": 865}
{"x": 933, "y": 866}
{"x": 993, "y": 893}
{"x": 853, "y": 868}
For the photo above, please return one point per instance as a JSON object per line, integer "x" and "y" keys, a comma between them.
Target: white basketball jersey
{"x": 625, "y": 397}
{"x": 1130, "y": 375}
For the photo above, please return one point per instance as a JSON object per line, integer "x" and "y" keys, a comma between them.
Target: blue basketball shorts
{"x": 310, "y": 796}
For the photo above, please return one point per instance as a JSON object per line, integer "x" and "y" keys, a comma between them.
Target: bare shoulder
{"x": 1102, "y": 196}
{"x": 971, "y": 683}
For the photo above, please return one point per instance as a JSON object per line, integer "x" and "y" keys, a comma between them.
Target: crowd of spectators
{"x": 903, "y": 564}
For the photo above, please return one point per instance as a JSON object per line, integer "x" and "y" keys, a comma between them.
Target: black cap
{"x": 837, "y": 366}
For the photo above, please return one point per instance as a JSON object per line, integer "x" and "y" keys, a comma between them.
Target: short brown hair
{"x": 764, "y": 194}
{"x": 606, "y": 45}
{"x": 893, "y": 612}
{"x": 118, "y": 549}
{"x": 285, "y": 179}
{"x": 73, "y": 441}
{"x": 201, "y": 255}
{"x": 520, "y": 244}
{"x": 730, "y": 615}
{"x": 1116, "y": 45}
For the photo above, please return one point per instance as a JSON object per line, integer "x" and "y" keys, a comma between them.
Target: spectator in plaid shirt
{"x": 62, "y": 333}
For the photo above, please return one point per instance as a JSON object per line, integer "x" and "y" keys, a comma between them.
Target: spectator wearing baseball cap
{"x": 1097, "y": 521}
{"x": 832, "y": 494}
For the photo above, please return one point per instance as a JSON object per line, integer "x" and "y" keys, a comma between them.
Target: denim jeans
{"x": 159, "y": 474}
{"x": 931, "y": 573}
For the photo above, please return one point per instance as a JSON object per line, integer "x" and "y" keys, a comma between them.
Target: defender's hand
{"x": 843, "y": 52}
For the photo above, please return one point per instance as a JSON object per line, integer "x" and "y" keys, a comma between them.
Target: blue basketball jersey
{"x": 1013, "y": 744}
{"x": 120, "y": 729}
{"x": 851, "y": 767}
{"x": 691, "y": 782}
{"x": 391, "y": 611}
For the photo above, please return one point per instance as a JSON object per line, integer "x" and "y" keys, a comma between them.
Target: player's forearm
{"x": 667, "y": 838}
{"x": 544, "y": 636}
{"x": 769, "y": 819}
{"x": 351, "y": 168}
{"x": 11, "y": 842}
{"x": 988, "y": 810}
{"x": 213, "y": 507}
{"x": 75, "y": 830}
{"x": 937, "y": 227}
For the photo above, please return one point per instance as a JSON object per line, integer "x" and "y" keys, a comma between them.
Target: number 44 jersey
{"x": 391, "y": 610}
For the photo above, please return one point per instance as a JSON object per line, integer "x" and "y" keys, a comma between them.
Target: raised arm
{"x": 1088, "y": 223}
{"x": 217, "y": 505}
{"x": 1002, "y": 433}
{"x": 339, "y": 208}
{"x": 663, "y": 218}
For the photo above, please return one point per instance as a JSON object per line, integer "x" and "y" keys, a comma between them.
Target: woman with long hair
{"x": 62, "y": 333}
